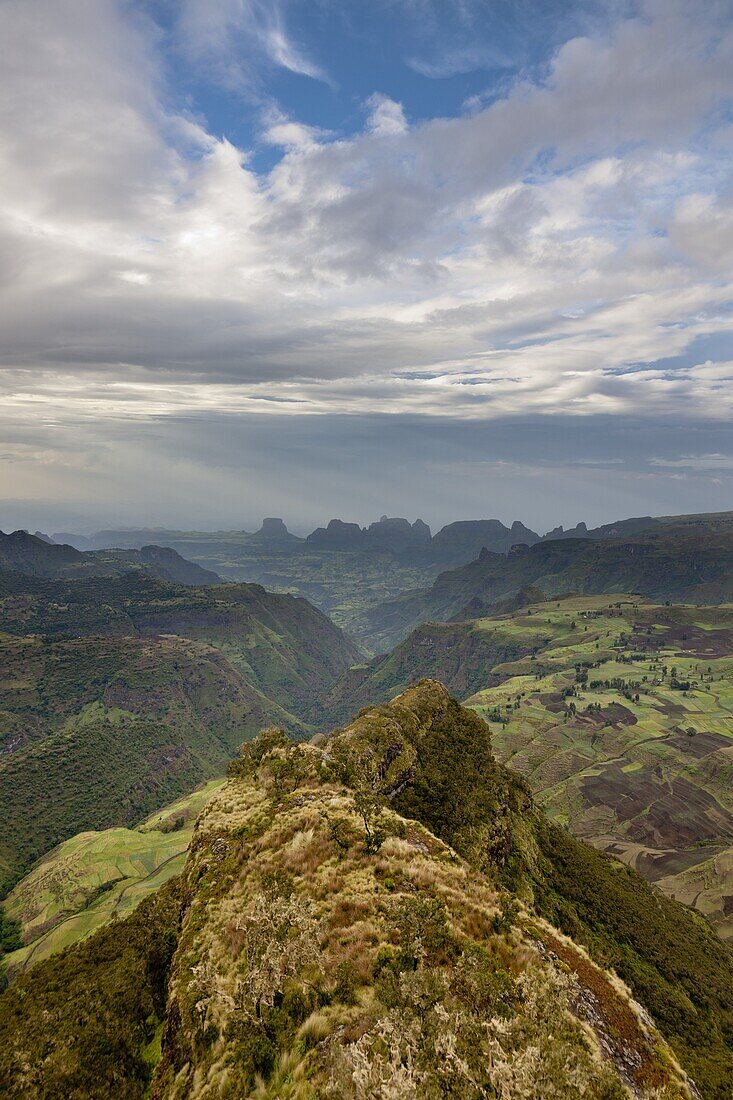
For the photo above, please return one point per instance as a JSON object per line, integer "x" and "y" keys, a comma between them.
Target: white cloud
{"x": 386, "y": 117}
{"x": 215, "y": 33}
{"x": 524, "y": 260}
{"x": 466, "y": 59}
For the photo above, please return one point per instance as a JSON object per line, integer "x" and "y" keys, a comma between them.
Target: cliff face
{"x": 682, "y": 565}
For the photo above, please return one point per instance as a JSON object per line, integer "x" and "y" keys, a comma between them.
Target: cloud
{"x": 215, "y": 33}
{"x": 467, "y": 59}
{"x": 713, "y": 462}
{"x": 563, "y": 252}
{"x": 386, "y": 117}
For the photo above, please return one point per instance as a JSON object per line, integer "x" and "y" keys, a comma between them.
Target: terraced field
{"x": 97, "y": 876}
{"x": 621, "y": 718}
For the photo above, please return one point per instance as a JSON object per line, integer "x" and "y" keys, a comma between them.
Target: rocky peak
{"x": 273, "y": 526}
{"x": 274, "y": 530}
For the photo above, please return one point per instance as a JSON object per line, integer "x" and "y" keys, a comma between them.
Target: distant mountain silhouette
{"x": 274, "y": 530}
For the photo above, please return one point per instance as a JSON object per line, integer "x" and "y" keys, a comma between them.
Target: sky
{"x": 314, "y": 258}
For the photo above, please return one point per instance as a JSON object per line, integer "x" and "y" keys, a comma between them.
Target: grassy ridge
{"x": 371, "y": 966}
{"x": 313, "y": 911}
{"x": 675, "y": 964}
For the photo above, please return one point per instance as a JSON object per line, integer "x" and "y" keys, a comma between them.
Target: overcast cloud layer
{"x": 190, "y": 336}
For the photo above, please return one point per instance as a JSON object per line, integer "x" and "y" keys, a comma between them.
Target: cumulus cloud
{"x": 386, "y": 117}
{"x": 564, "y": 250}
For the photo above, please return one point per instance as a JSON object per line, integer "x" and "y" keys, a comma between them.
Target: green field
{"x": 622, "y": 721}
{"x": 96, "y": 877}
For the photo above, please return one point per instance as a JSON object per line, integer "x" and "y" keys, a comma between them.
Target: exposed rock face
{"x": 580, "y": 531}
{"x": 463, "y": 541}
{"x": 337, "y": 536}
{"x": 274, "y": 529}
{"x": 273, "y": 526}
{"x": 398, "y": 535}
{"x": 392, "y": 535}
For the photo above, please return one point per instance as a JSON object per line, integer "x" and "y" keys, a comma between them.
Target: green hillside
{"x": 120, "y": 693}
{"x": 385, "y": 901}
{"x": 685, "y": 563}
{"x": 81, "y": 1023}
{"x": 623, "y": 724}
{"x": 460, "y": 654}
{"x": 101, "y": 731}
{"x": 281, "y": 644}
{"x": 95, "y": 877}
{"x": 342, "y": 582}
{"x": 619, "y": 713}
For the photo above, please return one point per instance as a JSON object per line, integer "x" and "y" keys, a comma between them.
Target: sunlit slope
{"x": 622, "y": 721}
{"x": 377, "y": 963}
{"x": 97, "y": 876}
{"x": 647, "y": 778}
{"x": 383, "y": 904}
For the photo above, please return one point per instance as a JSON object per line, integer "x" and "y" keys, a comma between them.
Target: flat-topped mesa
{"x": 464, "y": 540}
{"x": 273, "y": 529}
{"x": 398, "y": 534}
{"x": 337, "y": 536}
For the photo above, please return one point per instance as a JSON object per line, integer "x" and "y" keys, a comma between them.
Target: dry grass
{"x": 341, "y": 993}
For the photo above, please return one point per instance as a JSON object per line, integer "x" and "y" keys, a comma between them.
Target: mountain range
{"x": 384, "y": 905}
{"x": 356, "y": 573}
{"x": 527, "y": 848}
{"x": 683, "y": 561}
{"x": 37, "y": 556}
